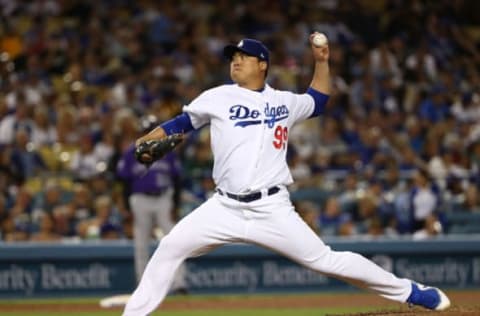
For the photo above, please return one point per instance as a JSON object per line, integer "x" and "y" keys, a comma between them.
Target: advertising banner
{"x": 107, "y": 268}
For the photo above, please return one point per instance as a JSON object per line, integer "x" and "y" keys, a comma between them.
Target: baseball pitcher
{"x": 250, "y": 123}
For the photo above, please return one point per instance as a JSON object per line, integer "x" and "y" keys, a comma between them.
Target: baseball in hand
{"x": 319, "y": 39}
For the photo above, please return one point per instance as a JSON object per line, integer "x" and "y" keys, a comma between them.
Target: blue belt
{"x": 249, "y": 197}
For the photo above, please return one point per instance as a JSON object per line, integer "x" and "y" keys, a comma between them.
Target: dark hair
{"x": 424, "y": 173}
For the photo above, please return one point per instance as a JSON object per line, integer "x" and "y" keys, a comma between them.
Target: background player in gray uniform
{"x": 249, "y": 125}
{"x": 153, "y": 196}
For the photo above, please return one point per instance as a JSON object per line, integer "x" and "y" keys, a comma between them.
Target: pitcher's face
{"x": 245, "y": 68}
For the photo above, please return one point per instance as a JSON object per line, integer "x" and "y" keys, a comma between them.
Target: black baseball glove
{"x": 149, "y": 151}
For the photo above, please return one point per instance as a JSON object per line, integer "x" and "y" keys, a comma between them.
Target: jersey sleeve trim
{"x": 178, "y": 124}
{"x": 320, "y": 99}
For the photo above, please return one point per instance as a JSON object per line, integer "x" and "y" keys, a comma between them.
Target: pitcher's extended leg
{"x": 164, "y": 220}
{"x": 285, "y": 232}
{"x": 199, "y": 231}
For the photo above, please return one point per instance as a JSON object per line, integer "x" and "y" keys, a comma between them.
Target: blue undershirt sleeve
{"x": 178, "y": 124}
{"x": 320, "y": 99}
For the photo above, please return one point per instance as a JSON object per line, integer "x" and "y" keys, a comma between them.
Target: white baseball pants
{"x": 270, "y": 222}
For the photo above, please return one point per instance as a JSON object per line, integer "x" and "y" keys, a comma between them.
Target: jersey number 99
{"x": 281, "y": 137}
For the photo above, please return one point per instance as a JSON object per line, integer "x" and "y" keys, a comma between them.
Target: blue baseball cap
{"x": 250, "y": 47}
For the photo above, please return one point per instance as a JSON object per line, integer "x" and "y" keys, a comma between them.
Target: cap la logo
{"x": 240, "y": 44}
{"x": 261, "y": 55}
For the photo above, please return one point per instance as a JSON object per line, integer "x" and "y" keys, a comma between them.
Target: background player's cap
{"x": 250, "y": 47}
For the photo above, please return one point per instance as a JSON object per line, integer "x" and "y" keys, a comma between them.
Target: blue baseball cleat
{"x": 428, "y": 297}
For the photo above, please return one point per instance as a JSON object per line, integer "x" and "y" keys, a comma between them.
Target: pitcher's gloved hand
{"x": 149, "y": 151}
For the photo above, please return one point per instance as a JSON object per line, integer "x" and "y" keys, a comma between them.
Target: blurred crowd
{"x": 396, "y": 153}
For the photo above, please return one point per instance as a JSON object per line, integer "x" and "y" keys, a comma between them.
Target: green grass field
{"x": 229, "y": 312}
{"x": 89, "y": 307}
{"x": 318, "y": 304}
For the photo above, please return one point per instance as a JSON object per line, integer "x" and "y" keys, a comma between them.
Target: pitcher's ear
{"x": 263, "y": 65}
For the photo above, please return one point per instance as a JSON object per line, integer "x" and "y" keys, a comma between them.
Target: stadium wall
{"x": 105, "y": 268}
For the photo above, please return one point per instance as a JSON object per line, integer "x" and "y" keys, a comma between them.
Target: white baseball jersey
{"x": 246, "y": 123}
